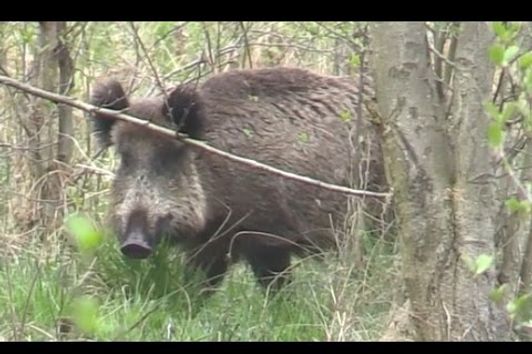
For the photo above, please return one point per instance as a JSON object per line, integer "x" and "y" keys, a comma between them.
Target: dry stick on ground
{"x": 195, "y": 143}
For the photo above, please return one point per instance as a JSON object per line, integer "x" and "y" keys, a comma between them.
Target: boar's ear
{"x": 185, "y": 108}
{"x": 107, "y": 94}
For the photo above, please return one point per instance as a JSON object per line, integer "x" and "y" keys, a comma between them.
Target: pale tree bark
{"x": 337, "y": 61}
{"x": 515, "y": 229}
{"x": 44, "y": 74}
{"x": 66, "y": 83}
{"x": 525, "y": 228}
{"x": 474, "y": 190}
{"x": 526, "y": 266}
{"x": 440, "y": 169}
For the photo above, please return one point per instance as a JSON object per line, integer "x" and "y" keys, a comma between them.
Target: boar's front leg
{"x": 210, "y": 259}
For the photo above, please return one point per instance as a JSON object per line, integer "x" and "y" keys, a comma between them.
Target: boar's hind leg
{"x": 270, "y": 265}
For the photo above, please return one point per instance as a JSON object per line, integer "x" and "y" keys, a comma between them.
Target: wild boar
{"x": 221, "y": 211}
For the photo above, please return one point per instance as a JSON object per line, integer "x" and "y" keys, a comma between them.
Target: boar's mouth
{"x": 136, "y": 247}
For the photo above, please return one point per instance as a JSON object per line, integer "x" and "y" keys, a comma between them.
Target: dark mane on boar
{"x": 289, "y": 118}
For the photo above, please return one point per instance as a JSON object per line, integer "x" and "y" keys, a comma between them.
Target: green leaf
{"x": 27, "y": 33}
{"x": 354, "y": 60}
{"x": 511, "y": 29}
{"x": 496, "y": 295}
{"x": 523, "y": 105}
{"x": 514, "y": 28}
{"x": 493, "y": 111}
{"x": 303, "y": 137}
{"x": 525, "y": 61}
{"x": 470, "y": 263}
{"x": 346, "y": 116}
{"x": 496, "y": 53}
{"x": 528, "y": 81}
{"x": 483, "y": 263}
{"x": 248, "y": 132}
{"x": 478, "y": 265}
{"x": 86, "y": 236}
{"x": 163, "y": 28}
{"x": 495, "y": 134}
{"x": 508, "y": 111}
{"x": 509, "y": 54}
{"x": 520, "y": 309}
{"x": 518, "y": 206}
{"x": 85, "y": 314}
{"x": 510, "y": 307}
{"x": 499, "y": 28}
{"x": 513, "y": 204}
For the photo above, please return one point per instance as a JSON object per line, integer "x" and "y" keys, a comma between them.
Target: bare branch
{"x": 148, "y": 58}
{"x": 441, "y": 56}
{"x": 499, "y": 85}
{"x": 335, "y": 34}
{"x": 452, "y": 53}
{"x": 195, "y": 143}
{"x": 95, "y": 169}
{"x": 246, "y": 44}
{"x": 439, "y": 39}
{"x": 210, "y": 57}
{"x": 164, "y": 36}
{"x": 201, "y": 60}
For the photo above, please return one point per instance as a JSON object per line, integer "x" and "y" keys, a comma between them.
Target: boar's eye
{"x": 126, "y": 159}
{"x": 167, "y": 159}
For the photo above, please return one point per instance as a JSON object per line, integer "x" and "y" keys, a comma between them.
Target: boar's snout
{"x": 136, "y": 242}
{"x": 135, "y": 246}
{"x": 142, "y": 233}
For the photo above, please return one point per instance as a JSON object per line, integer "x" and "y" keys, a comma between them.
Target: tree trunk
{"x": 66, "y": 82}
{"x": 44, "y": 118}
{"x": 440, "y": 170}
{"x": 526, "y": 266}
{"x": 473, "y": 202}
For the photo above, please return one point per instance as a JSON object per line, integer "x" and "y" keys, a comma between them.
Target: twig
{"x": 208, "y": 55}
{"x": 499, "y": 86}
{"x": 28, "y": 297}
{"x": 452, "y": 53}
{"x": 95, "y": 169}
{"x": 439, "y": 39}
{"x": 522, "y": 191}
{"x": 41, "y": 331}
{"x": 195, "y": 143}
{"x": 336, "y": 34}
{"x": 21, "y": 148}
{"x": 441, "y": 56}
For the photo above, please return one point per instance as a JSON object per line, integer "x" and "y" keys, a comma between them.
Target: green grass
{"x": 106, "y": 297}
